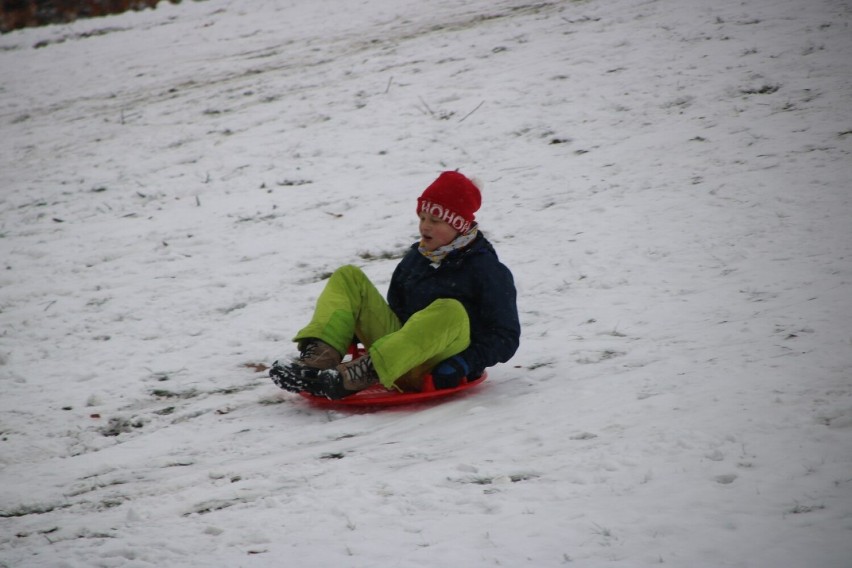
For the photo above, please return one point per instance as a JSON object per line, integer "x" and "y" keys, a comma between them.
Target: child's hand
{"x": 448, "y": 373}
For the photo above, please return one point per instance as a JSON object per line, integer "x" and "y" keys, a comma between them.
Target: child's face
{"x": 435, "y": 233}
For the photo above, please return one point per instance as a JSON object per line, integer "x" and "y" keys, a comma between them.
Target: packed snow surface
{"x": 668, "y": 180}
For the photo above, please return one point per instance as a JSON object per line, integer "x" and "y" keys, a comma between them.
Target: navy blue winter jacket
{"x": 475, "y": 277}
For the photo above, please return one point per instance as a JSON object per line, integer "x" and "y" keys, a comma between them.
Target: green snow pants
{"x": 350, "y": 306}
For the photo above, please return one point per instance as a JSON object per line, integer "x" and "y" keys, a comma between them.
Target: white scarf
{"x": 439, "y": 254}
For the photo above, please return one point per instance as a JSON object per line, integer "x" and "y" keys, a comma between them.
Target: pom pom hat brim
{"x": 453, "y": 198}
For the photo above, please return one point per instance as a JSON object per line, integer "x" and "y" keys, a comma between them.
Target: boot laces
{"x": 309, "y": 350}
{"x": 360, "y": 370}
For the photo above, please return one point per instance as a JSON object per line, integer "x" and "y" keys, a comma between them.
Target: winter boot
{"x": 290, "y": 377}
{"x": 301, "y": 374}
{"x": 318, "y": 354}
{"x": 347, "y": 378}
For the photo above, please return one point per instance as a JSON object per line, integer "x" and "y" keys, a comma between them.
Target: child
{"x": 451, "y": 309}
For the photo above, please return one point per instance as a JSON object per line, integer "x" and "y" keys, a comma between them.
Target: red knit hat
{"x": 453, "y": 198}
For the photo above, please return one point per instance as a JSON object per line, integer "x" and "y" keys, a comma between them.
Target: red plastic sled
{"x": 378, "y": 395}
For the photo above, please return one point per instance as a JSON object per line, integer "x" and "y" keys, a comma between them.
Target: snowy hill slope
{"x": 669, "y": 182}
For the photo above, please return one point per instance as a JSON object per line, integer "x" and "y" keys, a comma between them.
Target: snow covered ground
{"x": 669, "y": 181}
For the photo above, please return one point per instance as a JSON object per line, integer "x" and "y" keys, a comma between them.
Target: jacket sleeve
{"x": 496, "y": 336}
{"x": 396, "y": 289}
